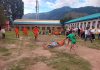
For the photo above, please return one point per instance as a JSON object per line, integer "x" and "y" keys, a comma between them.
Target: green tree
{"x": 63, "y": 20}
{"x": 3, "y": 18}
{"x": 14, "y": 8}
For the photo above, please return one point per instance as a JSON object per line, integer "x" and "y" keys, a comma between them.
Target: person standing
{"x": 36, "y": 32}
{"x": 88, "y": 34}
{"x": 78, "y": 32}
{"x": 93, "y": 31}
{"x": 17, "y": 32}
{"x": 3, "y": 32}
{"x": 73, "y": 41}
{"x": 98, "y": 31}
{"x": 25, "y": 31}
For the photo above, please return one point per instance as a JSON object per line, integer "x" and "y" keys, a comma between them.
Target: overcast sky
{"x": 48, "y": 5}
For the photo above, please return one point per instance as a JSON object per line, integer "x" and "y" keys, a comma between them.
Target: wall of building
{"x": 83, "y": 24}
{"x": 43, "y": 27}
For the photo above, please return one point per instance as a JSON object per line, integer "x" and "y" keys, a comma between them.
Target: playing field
{"x": 25, "y": 53}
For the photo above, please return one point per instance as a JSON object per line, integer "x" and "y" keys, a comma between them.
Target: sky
{"x": 48, "y": 5}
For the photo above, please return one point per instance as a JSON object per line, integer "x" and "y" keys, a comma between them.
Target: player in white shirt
{"x": 88, "y": 34}
{"x": 93, "y": 32}
{"x": 98, "y": 30}
{"x": 3, "y": 33}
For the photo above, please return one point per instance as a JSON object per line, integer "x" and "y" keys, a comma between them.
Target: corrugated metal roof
{"x": 85, "y": 18}
{"x": 27, "y": 21}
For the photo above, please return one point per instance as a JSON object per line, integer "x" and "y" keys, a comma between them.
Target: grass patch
{"x": 6, "y": 54}
{"x": 22, "y": 64}
{"x": 65, "y": 61}
{"x": 2, "y": 49}
{"x": 94, "y": 45}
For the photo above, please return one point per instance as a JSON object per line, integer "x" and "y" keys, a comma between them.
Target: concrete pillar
{"x": 96, "y": 24}
{"x": 86, "y": 23}
{"x": 20, "y": 27}
{"x": 74, "y": 25}
{"x": 83, "y": 25}
{"x": 91, "y": 23}
{"x": 79, "y": 24}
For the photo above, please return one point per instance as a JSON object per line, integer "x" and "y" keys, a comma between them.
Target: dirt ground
{"x": 92, "y": 55}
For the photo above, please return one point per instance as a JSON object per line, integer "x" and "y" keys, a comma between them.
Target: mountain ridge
{"x": 60, "y": 13}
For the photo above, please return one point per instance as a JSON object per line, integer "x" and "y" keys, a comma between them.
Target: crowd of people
{"x": 25, "y": 32}
{"x": 86, "y": 34}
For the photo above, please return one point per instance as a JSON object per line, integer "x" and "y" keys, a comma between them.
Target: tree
{"x": 3, "y": 18}
{"x": 63, "y": 20}
{"x": 13, "y": 8}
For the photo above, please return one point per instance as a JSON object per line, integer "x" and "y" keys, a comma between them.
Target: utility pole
{"x": 37, "y": 10}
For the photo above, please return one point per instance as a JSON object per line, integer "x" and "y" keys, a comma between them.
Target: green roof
{"x": 85, "y": 18}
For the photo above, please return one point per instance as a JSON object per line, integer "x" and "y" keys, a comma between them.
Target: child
{"x": 3, "y": 33}
{"x": 25, "y": 31}
{"x": 54, "y": 44}
{"x": 17, "y": 32}
{"x": 71, "y": 37}
{"x": 36, "y": 32}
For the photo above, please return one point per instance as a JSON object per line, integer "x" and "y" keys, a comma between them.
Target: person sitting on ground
{"x": 54, "y": 44}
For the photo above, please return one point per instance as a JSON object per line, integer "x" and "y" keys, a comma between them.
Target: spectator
{"x": 3, "y": 32}
{"x": 93, "y": 31}
{"x": 98, "y": 31}
{"x": 78, "y": 32}
{"x": 88, "y": 34}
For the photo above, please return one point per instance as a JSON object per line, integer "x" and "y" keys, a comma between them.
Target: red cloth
{"x": 25, "y": 31}
{"x": 61, "y": 43}
{"x": 36, "y": 31}
{"x": 17, "y": 30}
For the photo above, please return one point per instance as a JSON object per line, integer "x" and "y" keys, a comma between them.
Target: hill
{"x": 60, "y": 13}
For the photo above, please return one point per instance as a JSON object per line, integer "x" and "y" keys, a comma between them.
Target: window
{"x": 81, "y": 25}
{"x": 98, "y": 25}
{"x": 43, "y": 28}
{"x": 48, "y": 28}
{"x": 32, "y": 27}
{"x": 28, "y": 27}
{"x": 94, "y": 24}
{"x": 88, "y": 24}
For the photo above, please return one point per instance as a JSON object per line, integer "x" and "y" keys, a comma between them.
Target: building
{"x": 86, "y": 21}
{"x": 43, "y": 25}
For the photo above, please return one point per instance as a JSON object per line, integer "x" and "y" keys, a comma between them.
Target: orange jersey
{"x": 16, "y": 30}
{"x": 36, "y": 30}
{"x": 25, "y": 31}
{"x": 61, "y": 43}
